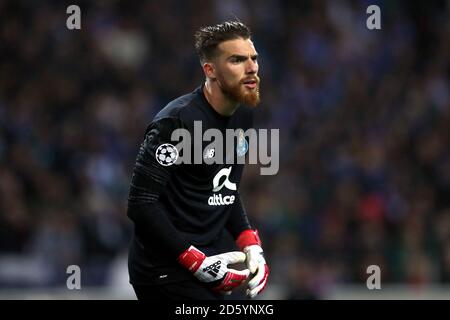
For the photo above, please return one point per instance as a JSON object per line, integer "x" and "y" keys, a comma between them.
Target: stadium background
{"x": 364, "y": 117}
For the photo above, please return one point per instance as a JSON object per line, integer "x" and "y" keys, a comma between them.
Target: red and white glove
{"x": 214, "y": 269}
{"x": 249, "y": 242}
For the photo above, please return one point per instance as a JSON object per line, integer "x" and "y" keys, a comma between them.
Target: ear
{"x": 209, "y": 70}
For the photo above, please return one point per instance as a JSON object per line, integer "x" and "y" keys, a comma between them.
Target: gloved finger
{"x": 252, "y": 261}
{"x": 238, "y": 275}
{"x": 260, "y": 288}
{"x": 257, "y": 279}
{"x": 233, "y": 257}
{"x": 233, "y": 279}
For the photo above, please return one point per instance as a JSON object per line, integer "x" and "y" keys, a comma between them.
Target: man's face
{"x": 237, "y": 71}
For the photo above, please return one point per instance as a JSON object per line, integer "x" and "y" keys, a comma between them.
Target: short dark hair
{"x": 208, "y": 38}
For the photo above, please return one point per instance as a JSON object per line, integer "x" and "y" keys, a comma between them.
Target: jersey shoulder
{"x": 184, "y": 108}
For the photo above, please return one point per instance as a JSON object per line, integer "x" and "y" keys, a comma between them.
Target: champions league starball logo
{"x": 166, "y": 154}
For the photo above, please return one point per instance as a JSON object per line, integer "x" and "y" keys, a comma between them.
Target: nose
{"x": 251, "y": 67}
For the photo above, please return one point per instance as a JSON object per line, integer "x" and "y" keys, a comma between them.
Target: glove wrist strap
{"x": 191, "y": 259}
{"x": 247, "y": 238}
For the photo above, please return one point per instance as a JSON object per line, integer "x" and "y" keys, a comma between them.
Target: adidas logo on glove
{"x": 213, "y": 269}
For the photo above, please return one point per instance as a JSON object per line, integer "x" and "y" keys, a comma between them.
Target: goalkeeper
{"x": 186, "y": 214}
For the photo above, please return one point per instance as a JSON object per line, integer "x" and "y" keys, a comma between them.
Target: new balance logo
{"x": 213, "y": 269}
{"x": 209, "y": 153}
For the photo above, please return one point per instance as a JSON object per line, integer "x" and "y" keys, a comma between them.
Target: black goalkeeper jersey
{"x": 178, "y": 205}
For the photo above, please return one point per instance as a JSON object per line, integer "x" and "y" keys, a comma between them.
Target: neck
{"x": 218, "y": 100}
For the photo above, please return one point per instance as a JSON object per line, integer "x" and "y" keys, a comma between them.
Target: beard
{"x": 239, "y": 93}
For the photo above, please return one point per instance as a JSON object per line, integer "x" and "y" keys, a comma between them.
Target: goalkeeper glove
{"x": 249, "y": 242}
{"x": 214, "y": 269}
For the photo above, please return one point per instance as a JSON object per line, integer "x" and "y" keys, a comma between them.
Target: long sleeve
{"x": 149, "y": 178}
{"x": 238, "y": 220}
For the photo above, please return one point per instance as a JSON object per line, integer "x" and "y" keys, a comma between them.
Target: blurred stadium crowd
{"x": 364, "y": 118}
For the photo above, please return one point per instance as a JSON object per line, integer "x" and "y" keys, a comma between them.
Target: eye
{"x": 236, "y": 60}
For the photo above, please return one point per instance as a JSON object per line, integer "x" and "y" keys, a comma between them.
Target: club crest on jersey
{"x": 242, "y": 145}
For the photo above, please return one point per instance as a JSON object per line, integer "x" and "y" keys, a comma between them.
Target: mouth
{"x": 251, "y": 83}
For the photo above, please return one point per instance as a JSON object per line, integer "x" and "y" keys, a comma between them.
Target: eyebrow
{"x": 241, "y": 57}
